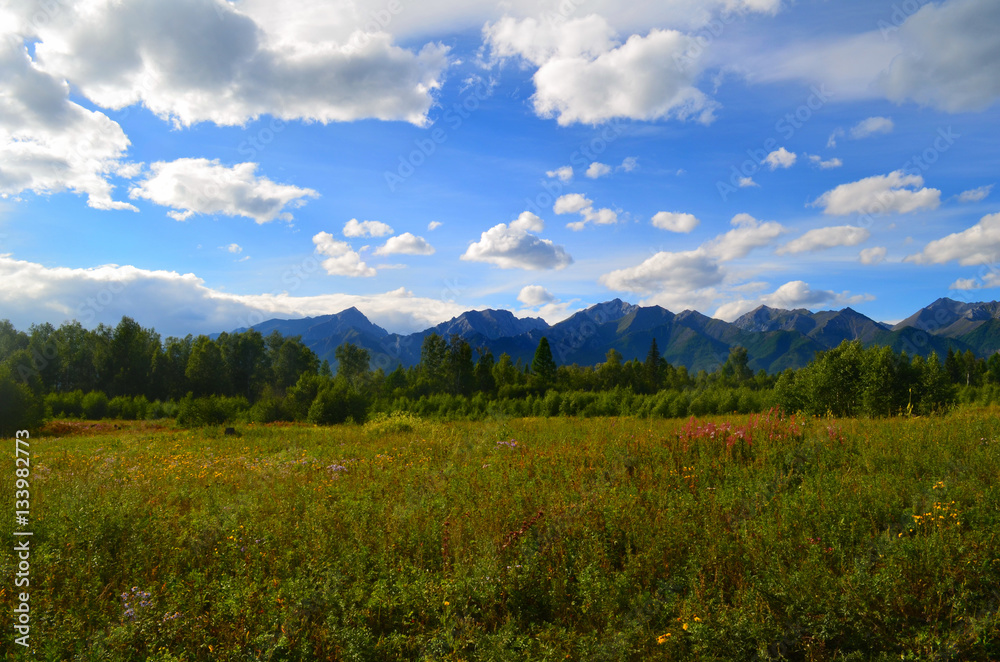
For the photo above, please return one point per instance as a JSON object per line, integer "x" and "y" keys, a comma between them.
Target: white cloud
{"x": 873, "y": 255}
{"x": 822, "y": 238}
{"x": 976, "y": 194}
{"x": 666, "y": 271}
{"x": 234, "y": 248}
{"x": 563, "y": 174}
{"x": 231, "y": 69}
{"x": 872, "y": 126}
{"x": 571, "y": 204}
{"x": 585, "y": 75}
{"x": 680, "y": 275}
{"x": 896, "y": 192}
{"x": 533, "y": 296}
{"x": 986, "y": 280}
{"x": 629, "y": 164}
{"x": 598, "y": 170}
{"x": 675, "y": 221}
{"x": 979, "y": 244}
{"x": 825, "y": 165}
{"x": 513, "y": 247}
{"x": 791, "y": 295}
{"x": 949, "y": 55}
{"x": 341, "y": 259}
{"x": 48, "y": 143}
{"x": 836, "y": 135}
{"x": 749, "y": 233}
{"x": 178, "y": 304}
{"x": 200, "y": 186}
{"x": 527, "y": 222}
{"x": 780, "y": 158}
{"x": 406, "y": 244}
{"x": 748, "y": 182}
{"x": 354, "y": 228}
{"x": 434, "y": 225}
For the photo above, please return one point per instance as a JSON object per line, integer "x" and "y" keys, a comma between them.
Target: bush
{"x": 210, "y": 410}
{"x": 271, "y": 408}
{"x": 129, "y": 409}
{"x": 64, "y": 405}
{"x": 336, "y": 403}
{"x": 20, "y": 408}
{"x": 95, "y": 406}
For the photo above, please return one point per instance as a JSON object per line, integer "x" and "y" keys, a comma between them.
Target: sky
{"x": 202, "y": 165}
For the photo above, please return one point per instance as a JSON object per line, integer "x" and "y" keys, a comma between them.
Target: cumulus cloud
{"x": 178, "y": 304}
{"x": 514, "y": 247}
{"x": 585, "y": 75}
{"x": 979, "y": 244}
{"x": 598, "y": 170}
{"x": 683, "y": 271}
{"x": 534, "y": 296}
{"x": 871, "y": 127}
{"x": 573, "y": 203}
{"x": 675, "y": 221}
{"x": 200, "y": 186}
{"x": 354, "y": 228}
{"x": 825, "y": 165}
{"x": 896, "y": 192}
{"x": 204, "y": 60}
{"x": 405, "y": 244}
{"x": 823, "y": 238}
{"x": 949, "y": 55}
{"x": 629, "y": 164}
{"x": 781, "y": 158}
{"x": 234, "y": 248}
{"x": 48, "y": 143}
{"x": 434, "y": 225}
{"x": 341, "y": 260}
{"x": 748, "y": 234}
{"x": 748, "y": 182}
{"x": 563, "y": 174}
{"x": 682, "y": 274}
{"x": 791, "y": 295}
{"x": 874, "y": 255}
{"x": 976, "y": 194}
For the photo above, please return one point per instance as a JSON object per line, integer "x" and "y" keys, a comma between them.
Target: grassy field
{"x": 533, "y": 539}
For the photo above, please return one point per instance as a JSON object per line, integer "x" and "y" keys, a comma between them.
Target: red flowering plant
{"x": 738, "y": 439}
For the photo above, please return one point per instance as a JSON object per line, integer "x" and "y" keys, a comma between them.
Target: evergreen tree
{"x": 543, "y": 366}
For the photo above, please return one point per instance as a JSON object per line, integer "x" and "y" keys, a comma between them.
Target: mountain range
{"x": 775, "y": 339}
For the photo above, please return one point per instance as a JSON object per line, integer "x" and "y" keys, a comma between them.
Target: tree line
{"x": 128, "y": 371}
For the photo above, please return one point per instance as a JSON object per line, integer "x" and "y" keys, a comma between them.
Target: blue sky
{"x": 202, "y": 165}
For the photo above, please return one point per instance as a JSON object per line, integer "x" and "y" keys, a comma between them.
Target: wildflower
{"x": 685, "y": 626}
{"x": 662, "y": 639}
{"x": 697, "y": 620}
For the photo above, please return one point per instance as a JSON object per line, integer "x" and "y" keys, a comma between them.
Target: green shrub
{"x": 95, "y": 406}
{"x": 394, "y": 423}
{"x": 20, "y": 407}
{"x": 336, "y": 404}
{"x": 210, "y": 410}
{"x": 64, "y": 405}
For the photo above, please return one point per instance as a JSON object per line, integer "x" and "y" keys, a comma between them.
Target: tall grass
{"x": 511, "y": 539}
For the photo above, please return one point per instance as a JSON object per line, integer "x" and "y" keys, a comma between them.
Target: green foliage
{"x": 211, "y": 410}
{"x": 735, "y": 538}
{"x": 95, "y": 406}
{"x": 20, "y": 407}
{"x": 337, "y": 402}
{"x": 543, "y": 366}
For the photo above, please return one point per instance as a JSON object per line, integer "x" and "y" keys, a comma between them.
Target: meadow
{"x": 733, "y": 538}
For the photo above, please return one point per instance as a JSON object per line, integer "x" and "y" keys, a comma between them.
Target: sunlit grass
{"x": 616, "y": 539}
